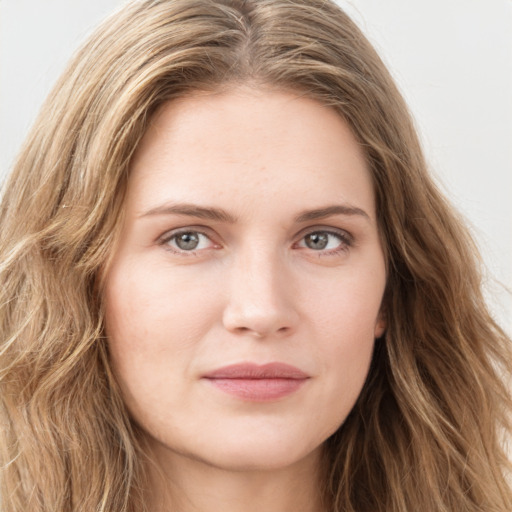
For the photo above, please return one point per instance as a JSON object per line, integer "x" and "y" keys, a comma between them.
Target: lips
{"x": 258, "y": 383}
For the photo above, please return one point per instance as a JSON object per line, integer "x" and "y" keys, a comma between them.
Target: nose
{"x": 260, "y": 300}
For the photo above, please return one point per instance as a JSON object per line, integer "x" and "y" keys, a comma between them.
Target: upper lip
{"x": 256, "y": 371}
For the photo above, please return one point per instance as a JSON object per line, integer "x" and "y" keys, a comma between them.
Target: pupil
{"x": 317, "y": 240}
{"x": 187, "y": 241}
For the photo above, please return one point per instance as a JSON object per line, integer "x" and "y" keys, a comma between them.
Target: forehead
{"x": 247, "y": 145}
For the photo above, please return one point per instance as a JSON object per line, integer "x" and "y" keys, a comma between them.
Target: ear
{"x": 380, "y": 326}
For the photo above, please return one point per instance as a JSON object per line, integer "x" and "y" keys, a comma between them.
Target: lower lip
{"x": 258, "y": 390}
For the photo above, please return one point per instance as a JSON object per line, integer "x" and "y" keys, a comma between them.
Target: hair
{"x": 428, "y": 430}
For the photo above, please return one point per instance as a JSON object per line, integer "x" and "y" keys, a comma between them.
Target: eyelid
{"x": 166, "y": 237}
{"x": 346, "y": 238}
{"x": 327, "y": 229}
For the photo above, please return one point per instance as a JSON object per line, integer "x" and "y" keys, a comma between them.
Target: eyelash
{"x": 168, "y": 237}
{"x": 345, "y": 239}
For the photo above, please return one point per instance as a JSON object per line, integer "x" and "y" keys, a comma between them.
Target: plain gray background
{"x": 452, "y": 60}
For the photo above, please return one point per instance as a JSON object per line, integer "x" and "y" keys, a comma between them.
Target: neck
{"x": 177, "y": 482}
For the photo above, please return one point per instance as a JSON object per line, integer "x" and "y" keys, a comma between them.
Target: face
{"x": 243, "y": 299}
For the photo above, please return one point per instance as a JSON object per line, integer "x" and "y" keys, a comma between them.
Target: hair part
{"x": 427, "y": 431}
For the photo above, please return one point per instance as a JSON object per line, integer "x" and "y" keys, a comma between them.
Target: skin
{"x": 255, "y": 289}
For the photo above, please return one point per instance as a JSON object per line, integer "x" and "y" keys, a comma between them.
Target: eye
{"x": 327, "y": 241}
{"x": 187, "y": 241}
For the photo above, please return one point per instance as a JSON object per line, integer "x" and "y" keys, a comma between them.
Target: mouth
{"x": 258, "y": 383}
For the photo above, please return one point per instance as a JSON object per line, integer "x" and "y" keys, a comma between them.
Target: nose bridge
{"x": 259, "y": 299}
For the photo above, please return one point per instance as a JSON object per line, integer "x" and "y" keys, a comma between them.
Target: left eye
{"x": 188, "y": 241}
{"x": 324, "y": 241}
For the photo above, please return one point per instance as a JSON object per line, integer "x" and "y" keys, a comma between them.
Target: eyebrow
{"x": 322, "y": 213}
{"x": 192, "y": 210}
{"x": 221, "y": 215}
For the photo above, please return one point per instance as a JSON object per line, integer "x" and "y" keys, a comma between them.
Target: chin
{"x": 246, "y": 451}
{"x": 256, "y": 458}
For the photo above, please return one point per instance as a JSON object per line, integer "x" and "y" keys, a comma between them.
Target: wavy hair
{"x": 427, "y": 432}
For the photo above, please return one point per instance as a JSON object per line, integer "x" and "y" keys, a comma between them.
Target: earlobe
{"x": 380, "y": 326}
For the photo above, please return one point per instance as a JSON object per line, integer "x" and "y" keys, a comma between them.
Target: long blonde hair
{"x": 427, "y": 431}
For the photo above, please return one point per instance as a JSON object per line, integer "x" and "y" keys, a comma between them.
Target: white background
{"x": 452, "y": 60}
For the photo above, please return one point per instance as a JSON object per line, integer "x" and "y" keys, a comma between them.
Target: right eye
{"x": 187, "y": 241}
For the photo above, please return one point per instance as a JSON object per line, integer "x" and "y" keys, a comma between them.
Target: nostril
{"x": 261, "y": 332}
{"x": 247, "y": 330}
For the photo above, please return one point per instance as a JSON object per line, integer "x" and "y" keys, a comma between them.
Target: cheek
{"x": 346, "y": 363}
{"x": 153, "y": 328}
{"x": 346, "y": 348}
{"x": 347, "y": 310}
{"x": 345, "y": 321}
{"x": 149, "y": 308}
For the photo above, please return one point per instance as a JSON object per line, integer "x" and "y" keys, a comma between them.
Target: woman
{"x": 228, "y": 282}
